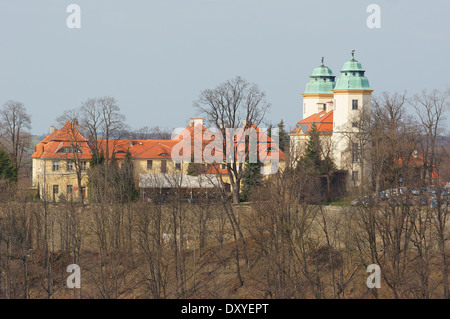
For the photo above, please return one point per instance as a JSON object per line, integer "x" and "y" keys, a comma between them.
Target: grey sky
{"x": 155, "y": 57}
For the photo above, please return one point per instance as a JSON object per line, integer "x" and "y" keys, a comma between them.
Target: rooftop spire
{"x": 353, "y": 55}
{"x": 322, "y": 60}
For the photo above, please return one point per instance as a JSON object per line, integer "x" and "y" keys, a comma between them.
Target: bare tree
{"x": 103, "y": 121}
{"x": 430, "y": 110}
{"x": 155, "y": 133}
{"x": 233, "y": 104}
{"x": 393, "y": 138}
{"x": 91, "y": 121}
{"x": 105, "y": 125}
{"x": 14, "y": 125}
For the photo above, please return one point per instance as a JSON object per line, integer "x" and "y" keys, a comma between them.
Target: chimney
{"x": 52, "y": 129}
{"x": 321, "y": 107}
{"x": 195, "y": 121}
{"x": 131, "y": 140}
{"x": 329, "y": 106}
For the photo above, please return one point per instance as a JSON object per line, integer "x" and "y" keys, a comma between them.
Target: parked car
{"x": 393, "y": 192}
{"x": 422, "y": 201}
{"x": 364, "y": 201}
{"x": 429, "y": 191}
{"x": 433, "y": 202}
{"x": 408, "y": 201}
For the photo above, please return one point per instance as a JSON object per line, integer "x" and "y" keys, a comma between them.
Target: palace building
{"x": 336, "y": 108}
{"x": 61, "y": 161}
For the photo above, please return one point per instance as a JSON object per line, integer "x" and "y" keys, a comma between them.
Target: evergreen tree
{"x": 129, "y": 191}
{"x": 269, "y": 130}
{"x": 192, "y": 168}
{"x": 113, "y": 186}
{"x": 8, "y": 171}
{"x": 96, "y": 176}
{"x": 312, "y": 157}
{"x": 312, "y": 160}
{"x": 97, "y": 161}
{"x": 283, "y": 136}
{"x": 251, "y": 179}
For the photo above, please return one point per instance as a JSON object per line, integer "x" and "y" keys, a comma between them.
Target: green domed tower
{"x": 352, "y": 99}
{"x": 321, "y": 81}
{"x": 352, "y": 76}
{"x": 319, "y": 90}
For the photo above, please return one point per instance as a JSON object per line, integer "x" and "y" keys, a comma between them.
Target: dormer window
{"x": 69, "y": 149}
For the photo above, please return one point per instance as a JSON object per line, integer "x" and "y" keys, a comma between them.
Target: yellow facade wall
{"x": 45, "y": 179}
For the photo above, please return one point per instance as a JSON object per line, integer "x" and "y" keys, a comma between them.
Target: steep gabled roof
{"x": 68, "y": 133}
{"x": 54, "y": 144}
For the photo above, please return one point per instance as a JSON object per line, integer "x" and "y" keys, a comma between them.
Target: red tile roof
{"x": 51, "y": 147}
{"x": 417, "y": 160}
{"x": 205, "y": 134}
{"x": 143, "y": 149}
{"x": 323, "y": 120}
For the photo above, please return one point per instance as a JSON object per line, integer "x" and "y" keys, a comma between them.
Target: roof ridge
{"x": 153, "y": 146}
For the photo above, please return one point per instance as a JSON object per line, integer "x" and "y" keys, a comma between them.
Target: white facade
{"x": 349, "y": 99}
{"x": 315, "y": 103}
{"x": 348, "y": 109}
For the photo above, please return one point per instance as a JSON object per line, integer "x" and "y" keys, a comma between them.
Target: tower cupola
{"x": 352, "y": 76}
{"x": 321, "y": 81}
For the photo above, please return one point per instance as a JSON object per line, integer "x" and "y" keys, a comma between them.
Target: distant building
{"x": 336, "y": 107}
{"x": 56, "y": 158}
